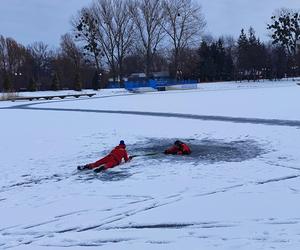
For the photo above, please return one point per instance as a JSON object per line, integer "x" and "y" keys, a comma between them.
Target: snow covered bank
{"x": 260, "y": 100}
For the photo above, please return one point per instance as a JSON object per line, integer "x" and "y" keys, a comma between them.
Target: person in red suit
{"x": 113, "y": 159}
{"x": 179, "y": 148}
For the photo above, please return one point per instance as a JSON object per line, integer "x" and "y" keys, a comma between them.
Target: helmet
{"x": 122, "y": 143}
{"x": 178, "y": 143}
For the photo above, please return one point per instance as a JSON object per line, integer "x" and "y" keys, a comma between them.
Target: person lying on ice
{"x": 113, "y": 159}
{"x": 179, "y": 148}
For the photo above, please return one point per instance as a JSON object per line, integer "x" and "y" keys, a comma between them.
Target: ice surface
{"x": 238, "y": 190}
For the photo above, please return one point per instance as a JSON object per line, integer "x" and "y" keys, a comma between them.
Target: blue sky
{"x": 46, "y": 20}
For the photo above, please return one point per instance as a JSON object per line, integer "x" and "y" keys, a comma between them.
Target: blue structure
{"x": 170, "y": 82}
{"x": 130, "y": 85}
{"x": 153, "y": 83}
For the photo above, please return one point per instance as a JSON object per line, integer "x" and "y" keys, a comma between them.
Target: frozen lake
{"x": 238, "y": 190}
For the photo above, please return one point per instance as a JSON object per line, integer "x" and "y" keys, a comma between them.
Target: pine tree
{"x": 206, "y": 64}
{"x": 77, "y": 82}
{"x": 228, "y": 66}
{"x": 215, "y": 64}
{"x": 254, "y": 55}
{"x": 251, "y": 56}
{"x": 95, "y": 81}
{"x": 220, "y": 60}
{"x": 242, "y": 54}
{"x": 32, "y": 86}
{"x": 55, "y": 82}
{"x": 7, "y": 86}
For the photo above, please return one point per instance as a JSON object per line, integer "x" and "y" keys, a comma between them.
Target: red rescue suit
{"x": 113, "y": 159}
{"x": 182, "y": 149}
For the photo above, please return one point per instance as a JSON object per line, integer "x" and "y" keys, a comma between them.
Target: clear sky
{"x": 46, "y": 20}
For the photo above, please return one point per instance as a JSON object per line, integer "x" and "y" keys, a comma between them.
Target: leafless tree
{"x": 148, "y": 16}
{"x": 12, "y": 58}
{"x": 184, "y": 25}
{"x": 39, "y": 50}
{"x": 285, "y": 28}
{"x": 124, "y": 32}
{"x": 108, "y": 30}
{"x": 85, "y": 27}
{"x": 3, "y": 54}
{"x": 40, "y": 56}
{"x": 10, "y": 54}
{"x": 115, "y": 32}
{"x": 70, "y": 50}
{"x": 74, "y": 54}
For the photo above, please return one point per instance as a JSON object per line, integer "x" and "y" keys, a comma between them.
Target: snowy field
{"x": 238, "y": 190}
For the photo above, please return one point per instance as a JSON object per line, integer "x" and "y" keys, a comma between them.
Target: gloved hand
{"x": 130, "y": 158}
{"x": 82, "y": 167}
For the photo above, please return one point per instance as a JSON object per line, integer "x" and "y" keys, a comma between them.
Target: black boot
{"x": 99, "y": 169}
{"x": 82, "y": 167}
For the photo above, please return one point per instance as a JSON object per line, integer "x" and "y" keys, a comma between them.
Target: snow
{"x": 238, "y": 190}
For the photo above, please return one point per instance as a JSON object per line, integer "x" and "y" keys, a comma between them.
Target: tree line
{"x": 111, "y": 39}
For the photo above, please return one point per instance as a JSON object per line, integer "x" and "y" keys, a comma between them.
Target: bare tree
{"x": 40, "y": 55}
{"x": 3, "y": 54}
{"x": 13, "y": 52}
{"x": 39, "y": 50}
{"x": 3, "y": 64}
{"x": 184, "y": 25}
{"x": 108, "y": 30}
{"x": 124, "y": 32}
{"x": 115, "y": 32}
{"x": 85, "y": 28}
{"x": 12, "y": 58}
{"x": 148, "y": 16}
{"x": 285, "y": 28}
{"x": 70, "y": 50}
{"x": 73, "y": 53}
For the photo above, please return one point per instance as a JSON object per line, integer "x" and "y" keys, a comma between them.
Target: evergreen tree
{"x": 77, "y": 82}
{"x": 279, "y": 62}
{"x": 254, "y": 55}
{"x": 220, "y": 60}
{"x": 32, "y": 86}
{"x": 95, "y": 81}
{"x": 55, "y": 82}
{"x": 7, "y": 86}
{"x": 251, "y": 56}
{"x": 206, "y": 65}
{"x": 215, "y": 63}
{"x": 242, "y": 54}
{"x": 228, "y": 66}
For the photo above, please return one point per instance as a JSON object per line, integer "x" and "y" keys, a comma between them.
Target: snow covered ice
{"x": 238, "y": 190}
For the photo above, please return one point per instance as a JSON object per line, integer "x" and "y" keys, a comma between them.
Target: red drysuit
{"x": 113, "y": 159}
{"x": 181, "y": 149}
